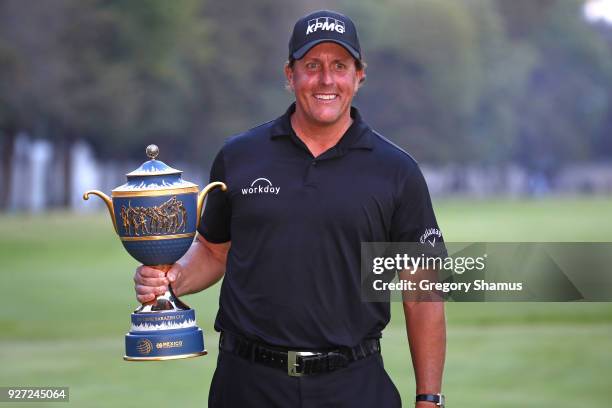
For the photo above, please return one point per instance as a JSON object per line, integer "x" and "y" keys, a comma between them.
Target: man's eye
{"x": 340, "y": 65}
{"x": 311, "y": 65}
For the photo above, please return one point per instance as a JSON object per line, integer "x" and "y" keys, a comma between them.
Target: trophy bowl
{"x": 156, "y": 214}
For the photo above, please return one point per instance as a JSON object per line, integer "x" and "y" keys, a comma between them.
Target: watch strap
{"x": 437, "y": 399}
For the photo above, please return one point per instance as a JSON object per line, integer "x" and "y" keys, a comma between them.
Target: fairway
{"x": 67, "y": 294}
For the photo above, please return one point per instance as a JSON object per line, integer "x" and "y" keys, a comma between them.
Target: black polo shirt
{"x": 296, "y": 223}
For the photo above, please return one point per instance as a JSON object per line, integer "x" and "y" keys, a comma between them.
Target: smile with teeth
{"x": 325, "y": 97}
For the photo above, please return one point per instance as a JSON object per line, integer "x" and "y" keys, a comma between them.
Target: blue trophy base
{"x": 164, "y": 335}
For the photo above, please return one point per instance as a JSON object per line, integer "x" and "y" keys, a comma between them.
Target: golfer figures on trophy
{"x": 156, "y": 214}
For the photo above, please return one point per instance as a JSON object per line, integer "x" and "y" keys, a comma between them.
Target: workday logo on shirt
{"x": 261, "y": 186}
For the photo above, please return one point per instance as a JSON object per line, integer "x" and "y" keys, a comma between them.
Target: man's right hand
{"x": 150, "y": 282}
{"x": 201, "y": 267}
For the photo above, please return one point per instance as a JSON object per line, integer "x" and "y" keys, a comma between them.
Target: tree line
{"x": 472, "y": 81}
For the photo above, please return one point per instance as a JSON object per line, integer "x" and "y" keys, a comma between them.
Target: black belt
{"x": 297, "y": 363}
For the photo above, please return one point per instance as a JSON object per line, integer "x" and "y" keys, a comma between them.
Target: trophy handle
{"x": 202, "y": 195}
{"x": 107, "y": 201}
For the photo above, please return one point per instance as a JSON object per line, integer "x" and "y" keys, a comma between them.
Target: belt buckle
{"x": 292, "y": 362}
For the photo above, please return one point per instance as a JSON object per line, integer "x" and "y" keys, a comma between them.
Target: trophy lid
{"x": 153, "y": 167}
{"x": 153, "y": 175}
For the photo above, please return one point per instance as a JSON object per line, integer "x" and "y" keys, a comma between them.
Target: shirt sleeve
{"x": 414, "y": 219}
{"x": 216, "y": 220}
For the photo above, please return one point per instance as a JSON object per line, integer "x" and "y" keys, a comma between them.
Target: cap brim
{"x": 306, "y": 47}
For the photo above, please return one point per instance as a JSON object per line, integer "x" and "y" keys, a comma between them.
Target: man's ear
{"x": 289, "y": 76}
{"x": 361, "y": 76}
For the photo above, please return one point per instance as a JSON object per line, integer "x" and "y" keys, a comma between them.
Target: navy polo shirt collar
{"x": 357, "y": 136}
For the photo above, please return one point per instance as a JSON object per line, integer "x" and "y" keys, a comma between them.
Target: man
{"x": 304, "y": 191}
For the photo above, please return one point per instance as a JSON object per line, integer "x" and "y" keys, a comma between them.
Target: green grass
{"x": 67, "y": 294}
{"x": 557, "y": 219}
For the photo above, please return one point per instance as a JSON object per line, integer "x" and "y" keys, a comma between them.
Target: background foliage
{"x": 470, "y": 81}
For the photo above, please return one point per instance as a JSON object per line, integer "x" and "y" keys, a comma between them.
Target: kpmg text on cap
{"x": 326, "y": 24}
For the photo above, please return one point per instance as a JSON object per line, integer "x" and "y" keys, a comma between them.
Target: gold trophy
{"x": 156, "y": 214}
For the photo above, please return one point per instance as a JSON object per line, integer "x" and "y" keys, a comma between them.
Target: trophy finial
{"x": 152, "y": 151}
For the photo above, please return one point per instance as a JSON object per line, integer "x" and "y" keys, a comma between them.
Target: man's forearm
{"x": 201, "y": 267}
{"x": 426, "y": 328}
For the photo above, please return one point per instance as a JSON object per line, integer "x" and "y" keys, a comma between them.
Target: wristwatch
{"x": 437, "y": 399}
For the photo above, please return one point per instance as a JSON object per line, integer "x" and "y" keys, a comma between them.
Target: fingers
{"x": 145, "y": 290}
{"x": 149, "y": 272}
{"x": 149, "y": 283}
{"x": 140, "y": 280}
{"x": 148, "y": 293}
{"x": 144, "y": 298}
{"x": 173, "y": 273}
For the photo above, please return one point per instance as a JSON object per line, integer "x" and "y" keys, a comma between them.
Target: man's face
{"x": 324, "y": 82}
